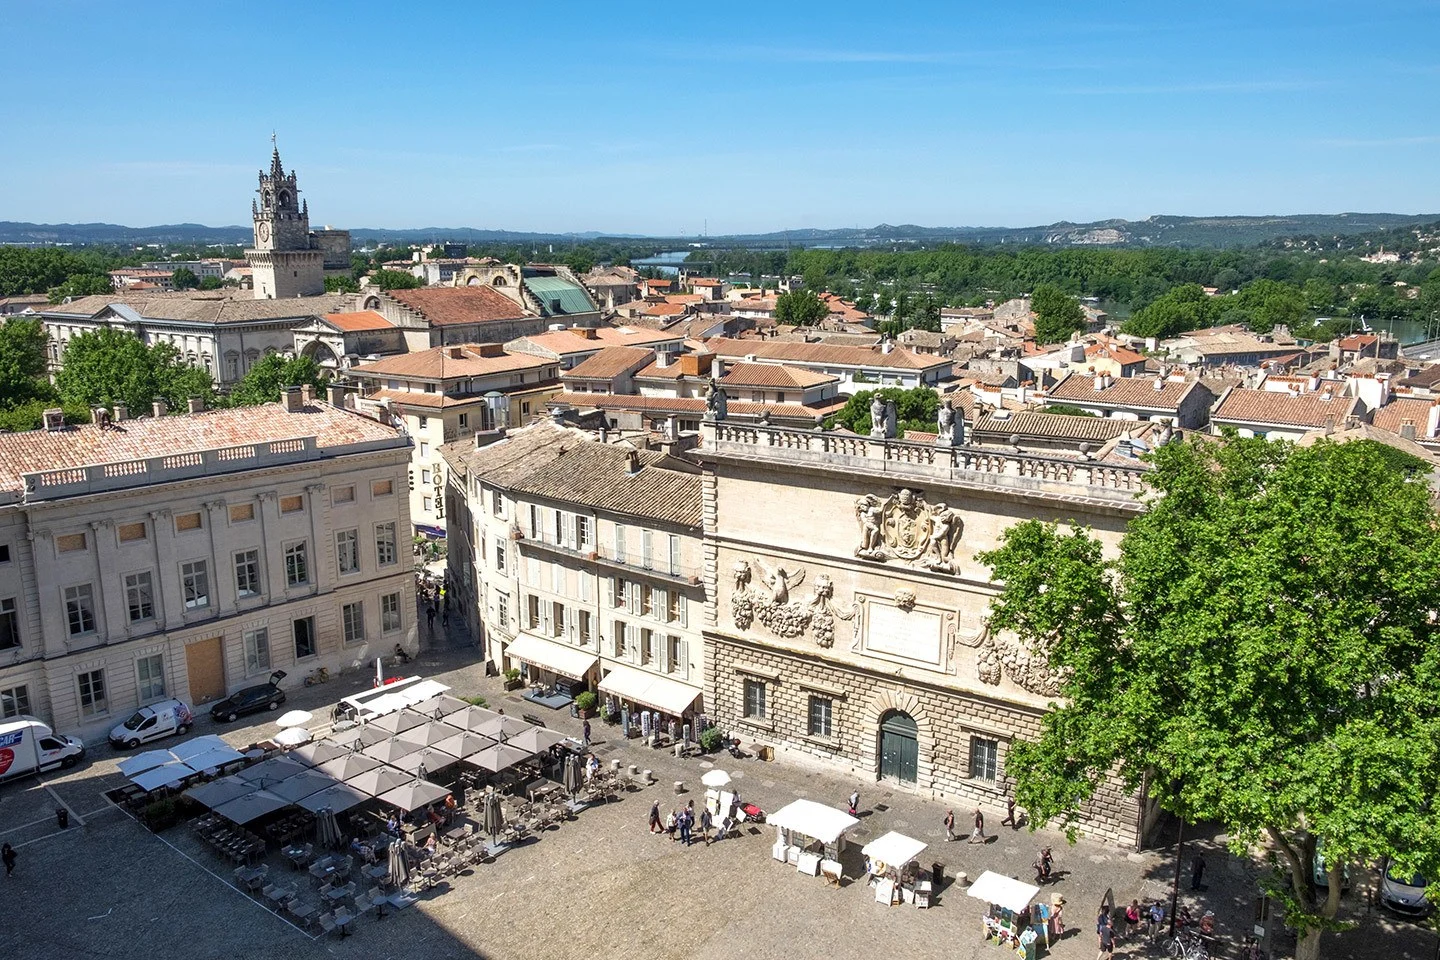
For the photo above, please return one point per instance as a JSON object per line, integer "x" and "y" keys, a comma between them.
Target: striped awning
{"x": 558, "y": 658}
{"x": 649, "y": 690}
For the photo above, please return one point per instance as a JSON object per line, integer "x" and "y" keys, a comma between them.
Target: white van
{"x": 152, "y": 722}
{"x": 28, "y": 745}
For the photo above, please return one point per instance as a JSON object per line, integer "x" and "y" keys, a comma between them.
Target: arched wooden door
{"x": 899, "y": 747}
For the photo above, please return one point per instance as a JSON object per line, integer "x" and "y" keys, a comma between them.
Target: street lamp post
{"x": 1179, "y": 862}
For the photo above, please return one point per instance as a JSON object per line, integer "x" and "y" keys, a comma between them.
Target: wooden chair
{"x": 327, "y": 922}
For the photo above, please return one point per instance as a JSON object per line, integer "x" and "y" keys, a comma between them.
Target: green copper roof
{"x": 572, "y": 299}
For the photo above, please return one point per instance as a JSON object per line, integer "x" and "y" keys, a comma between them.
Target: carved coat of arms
{"x": 905, "y": 527}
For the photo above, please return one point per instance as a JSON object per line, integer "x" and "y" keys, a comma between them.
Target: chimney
{"x": 335, "y": 395}
{"x": 158, "y": 407}
{"x": 587, "y": 333}
{"x": 634, "y": 465}
{"x": 195, "y": 404}
{"x": 662, "y": 358}
{"x": 292, "y": 400}
{"x": 1159, "y": 385}
{"x": 121, "y": 412}
{"x": 307, "y": 393}
{"x": 1099, "y": 383}
{"x": 54, "y": 418}
{"x": 1407, "y": 428}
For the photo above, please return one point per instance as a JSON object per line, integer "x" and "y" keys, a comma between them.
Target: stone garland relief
{"x": 1025, "y": 667}
{"x": 905, "y": 527}
{"x": 770, "y": 603}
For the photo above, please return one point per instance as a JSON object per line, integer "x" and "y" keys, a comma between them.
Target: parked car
{"x": 1320, "y": 878}
{"x": 151, "y": 722}
{"x": 263, "y": 696}
{"x": 1403, "y": 892}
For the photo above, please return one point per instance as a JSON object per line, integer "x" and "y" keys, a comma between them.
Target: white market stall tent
{"x": 1010, "y": 920}
{"x": 1005, "y": 892}
{"x": 890, "y": 862}
{"x": 824, "y": 826}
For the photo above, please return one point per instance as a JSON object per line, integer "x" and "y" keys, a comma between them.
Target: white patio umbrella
{"x": 716, "y": 779}
{"x": 294, "y": 718}
{"x": 292, "y": 737}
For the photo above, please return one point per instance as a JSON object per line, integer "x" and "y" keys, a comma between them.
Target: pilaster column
{"x": 271, "y": 534}
{"x": 49, "y": 591}
{"x": 222, "y": 573}
{"x": 171, "y": 604}
{"x": 110, "y": 607}
{"x": 322, "y": 559}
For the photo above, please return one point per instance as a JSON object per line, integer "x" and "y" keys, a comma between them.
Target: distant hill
{"x": 1161, "y": 231}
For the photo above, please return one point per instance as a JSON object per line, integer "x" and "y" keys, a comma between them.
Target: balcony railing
{"x": 633, "y": 562}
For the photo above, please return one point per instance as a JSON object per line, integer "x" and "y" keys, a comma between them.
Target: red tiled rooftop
{"x": 359, "y": 320}
{"x": 447, "y": 306}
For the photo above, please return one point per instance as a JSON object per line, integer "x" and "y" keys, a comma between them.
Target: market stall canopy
{"x": 133, "y": 766}
{"x": 442, "y": 706}
{"x": 377, "y": 781}
{"x": 221, "y": 791}
{"x": 470, "y": 718}
{"x": 252, "y": 806}
{"x": 894, "y": 848}
{"x": 321, "y": 752}
{"x": 1002, "y": 891}
{"x": 464, "y": 744}
{"x": 416, "y": 793}
{"x": 211, "y": 759}
{"x": 198, "y": 745}
{"x": 349, "y": 766}
{"x": 276, "y": 768}
{"x": 558, "y": 658}
{"x": 813, "y": 820}
{"x": 336, "y": 799}
{"x": 649, "y": 690}
{"x": 162, "y": 776}
{"x": 302, "y": 785}
{"x": 294, "y": 718}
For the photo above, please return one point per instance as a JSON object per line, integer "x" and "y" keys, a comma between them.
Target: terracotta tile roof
{"x": 1242, "y": 405}
{"x": 1053, "y": 426}
{"x": 445, "y": 363}
{"x": 447, "y": 306}
{"x": 1137, "y": 392}
{"x": 359, "y": 320}
{"x": 561, "y": 463}
{"x": 1429, "y": 377}
{"x": 824, "y": 353}
{"x": 773, "y": 375}
{"x": 1389, "y": 417}
{"x": 609, "y": 363}
{"x": 1121, "y": 355}
{"x": 562, "y": 343}
{"x": 664, "y": 309}
{"x": 145, "y": 437}
{"x": 684, "y": 298}
{"x": 766, "y": 305}
{"x": 1358, "y": 341}
{"x": 208, "y": 307}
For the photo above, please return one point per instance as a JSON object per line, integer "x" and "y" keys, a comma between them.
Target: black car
{"x": 265, "y": 696}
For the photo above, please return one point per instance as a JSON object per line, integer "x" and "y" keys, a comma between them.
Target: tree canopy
{"x": 395, "y": 280}
{"x": 1057, "y": 314}
{"x": 1262, "y": 653}
{"x": 106, "y": 366}
{"x": 184, "y": 279}
{"x": 803, "y": 308}
{"x": 915, "y": 409}
{"x": 268, "y": 375}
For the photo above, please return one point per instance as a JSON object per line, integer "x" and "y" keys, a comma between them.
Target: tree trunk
{"x": 1308, "y": 946}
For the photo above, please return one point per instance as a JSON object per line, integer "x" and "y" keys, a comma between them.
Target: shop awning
{"x": 1003, "y": 891}
{"x": 548, "y": 655}
{"x": 649, "y": 689}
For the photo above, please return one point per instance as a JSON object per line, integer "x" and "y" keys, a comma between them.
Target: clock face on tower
{"x": 262, "y": 231}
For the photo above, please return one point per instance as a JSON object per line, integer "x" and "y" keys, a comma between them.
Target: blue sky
{"x": 628, "y": 117}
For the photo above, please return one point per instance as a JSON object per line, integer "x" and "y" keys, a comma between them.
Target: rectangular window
{"x": 674, "y": 555}
{"x": 247, "y": 573}
{"x": 557, "y": 619}
{"x": 92, "y": 693}
{"x": 140, "y": 596}
{"x": 345, "y": 494}
{"x": 984, "y": 758}
{"x": 292, "y": 504}
{"x": 70, "y": 543}
{"x": 500, "y": 556}
{"x": 584, "y": 626}
{"x": 14, "y": 702}
{"x": 150, "y": 677}
{"x": 620, "y": 542}
{"x": 424, "y": 448}
{"x": 257, "y": 651}
{"x": 647, "y": 646}
{"x": 185, "y": 522}
{"x": 582, "y": 583}
{"x": 464, "y": 420}
{"x": 497, "y": 503}
{"x": 382, "y": 488}
{"x": 647, "y": 559}
{"x": 385, "y": 546}
{"x": 4, "y": 553}
{"x": 532, "y": 610}
{"x": 672, "y": 607}
{"x": 652, "y": 602}
{"x": 297, "y": 564}
{"x": 557, "y": 579}
{"x": 242, "y": 512}
{"x": 535, "y": 531}
{"x": 425, "y": 476}
{"x": 584, "y": 536}
{"x": 820, "y": 713}
{"x": 635, "y": 598}
{"x": 9, "y": 624}
{"x": 352, "y": 621}
{"x": 347, "y": 551}
{"x": 426, "y": 505}
{"x": 617, "y": 640}
{"x": 677, "y": 656}
{"x": 502, "y": 609}
{"x": 389, "y": 612}
{"x": 131, "y": 532}
{"x": 304, "y": 629}
{"x": 755, "y": 699}
{"x": 195, "y": 584}
{"x": 622, "y": 589}
{"x": 80, "y": 609}
{"x": 424, "y": 422}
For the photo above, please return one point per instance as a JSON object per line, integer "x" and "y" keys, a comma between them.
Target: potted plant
{"x": 512, "y": 679}
{"x": 586, "y": 703}
{"x": 710, "y": 739}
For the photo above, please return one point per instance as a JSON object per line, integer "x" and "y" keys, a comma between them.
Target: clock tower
{"x": 286, "y": 260}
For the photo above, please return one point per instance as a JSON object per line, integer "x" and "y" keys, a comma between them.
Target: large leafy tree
{"x": 107, "y": 366}
{"x": 1262, "y": 653}
{"x": 22, "y": 361}
{"x": 1057, "y": 314}
{"x": 915, "y": 409}
{"x": 395, "y": 280}
{"x": 803, "y": 308}
{"x": 271, "y": 373}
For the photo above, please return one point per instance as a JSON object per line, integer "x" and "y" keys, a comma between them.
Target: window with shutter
{"x": 646, "y": 549}
{"x": 633, "y": 598}
{"x": 557, "y": 578}
{"x": 618, "y": 599}
{"x": 620, "y": 542}
{"x": 582, "y": 582}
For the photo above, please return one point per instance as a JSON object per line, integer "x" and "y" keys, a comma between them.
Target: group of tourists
{"x": 680, "y": 825}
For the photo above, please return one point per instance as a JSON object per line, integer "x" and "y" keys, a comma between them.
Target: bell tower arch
{"x": 286, "y": 261}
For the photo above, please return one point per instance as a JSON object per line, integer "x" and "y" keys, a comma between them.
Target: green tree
{"x": 802, "y": 308}
{"x": 107, "y": 366}
{"x": 579, "y": 262}
{"x": 915, "y": 409}
{"x": 1057, "y": 314}
{"x": 1270, "y": 302}
{"x": 1186, "y": 307}
{"x": 80, "y": 285}
{"x": 266, "y": 377}
{"x": 23, "y": 342}
{"x": 341, "y": 285}
{"x": 395, "y": 280}
{"x": 184, "y": 279}
{"x": 211, "y": 282}
{"x": 1261, "y": 654}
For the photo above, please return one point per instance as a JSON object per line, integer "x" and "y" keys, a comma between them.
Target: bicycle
{"x": 319, "y": 676}
{"x": 1186, "y": 946}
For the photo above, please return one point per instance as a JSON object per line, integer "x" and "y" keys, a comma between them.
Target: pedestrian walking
{"x": 1157, "y": 917}
{"x": 854, "y": 803}
{"x": 1132, "y": 919}
{"x": 1057, "y": 915}
{"x": 655, "y": 825}
{"x": 1010, "y": 820}
{"x": 1107, "y": 943}
{"x": 949, "y": 825}
{"x": 706, "y": 822}
{"x": 670, "y": 823}
{"x": 1197, "y": 871}
{"x": 8, "y": 855}
{"x": 686, "y": 818}
{"x": 445, "y": 616}
{"x": 585, "y": 733}
{"x": 430, "y": 617}
{"x": 978, "y": 834}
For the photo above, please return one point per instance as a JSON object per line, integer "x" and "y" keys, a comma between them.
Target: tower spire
{"x": 276, "y": 170}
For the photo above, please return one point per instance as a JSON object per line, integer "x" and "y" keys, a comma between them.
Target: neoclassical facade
{"x": 847, "y": 616}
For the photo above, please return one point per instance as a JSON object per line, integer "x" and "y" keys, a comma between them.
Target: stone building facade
{"x": 190, "y": 555}
{"x": 847, "y": 615}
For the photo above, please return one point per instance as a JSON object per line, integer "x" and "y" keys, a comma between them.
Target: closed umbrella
{"x": 492, "y": 814}
{"x": 221, "y": 791}
{"x": 348, "y": 765}
{"x": 327, "y": 829}
{"x": 294, "y": 718}
{"x": 399, "y": 869}
{"x": 570, "y": 774}
{"x": 499, "y": 757}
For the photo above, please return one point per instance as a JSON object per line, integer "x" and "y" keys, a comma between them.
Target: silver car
{"x": 1403, "y": 892}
